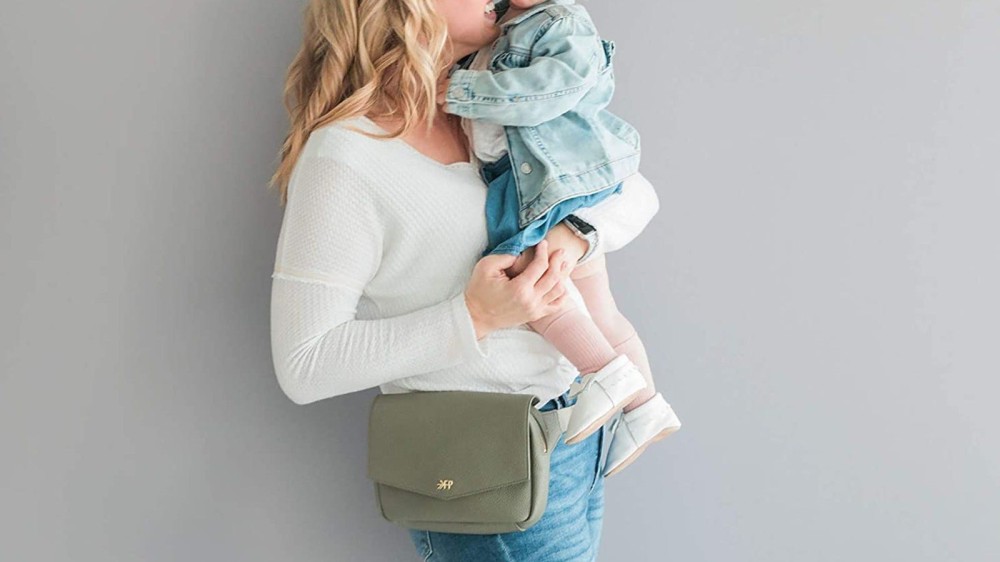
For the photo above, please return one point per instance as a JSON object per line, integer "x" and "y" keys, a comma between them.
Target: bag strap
{"x": 553, "y": 425}
{"x": 555, "y": 422}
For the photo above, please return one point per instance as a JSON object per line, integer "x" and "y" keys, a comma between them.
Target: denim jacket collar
{"x": 533, "y": 10}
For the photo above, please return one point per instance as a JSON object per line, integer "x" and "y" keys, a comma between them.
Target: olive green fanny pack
{"x": 461, "y": 461}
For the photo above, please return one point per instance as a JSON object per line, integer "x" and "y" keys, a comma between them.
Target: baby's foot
{"x": 604, "y": 393}
{"x": 647, "y": 393}
{"x": 635, "y": 430}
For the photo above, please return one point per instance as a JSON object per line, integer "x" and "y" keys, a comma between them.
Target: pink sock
{"x": 577, "y": 337}
{"x": 595, "y": 289}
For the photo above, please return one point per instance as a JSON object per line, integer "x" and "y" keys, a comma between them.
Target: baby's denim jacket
{"x": 548, "y": 82}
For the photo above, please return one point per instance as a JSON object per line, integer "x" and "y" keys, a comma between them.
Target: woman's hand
{"x": 559, "y": 237}
{"x": 497, "y": 301}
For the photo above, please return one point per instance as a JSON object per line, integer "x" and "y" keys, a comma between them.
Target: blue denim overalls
{"x": 548, "y": 82}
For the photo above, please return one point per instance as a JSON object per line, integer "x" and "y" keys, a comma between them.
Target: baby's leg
{"x": 576, "y": 336}
{"x": 591, "y": 278}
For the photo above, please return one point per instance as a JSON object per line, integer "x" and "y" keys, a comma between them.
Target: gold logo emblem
{"x": 445, "y": 484}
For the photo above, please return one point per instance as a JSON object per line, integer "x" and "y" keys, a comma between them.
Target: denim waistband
{"x": 490, "y": 170}
{"x": 561, "y": 401}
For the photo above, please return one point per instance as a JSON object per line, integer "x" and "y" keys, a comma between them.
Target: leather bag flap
{"x": 450, "y": 444}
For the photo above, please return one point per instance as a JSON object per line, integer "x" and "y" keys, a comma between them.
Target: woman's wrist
{"x": 479, "y": 325}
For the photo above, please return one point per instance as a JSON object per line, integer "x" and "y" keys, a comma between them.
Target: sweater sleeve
{"x": 329, "y": 248}
{"x": 619, "y": 218}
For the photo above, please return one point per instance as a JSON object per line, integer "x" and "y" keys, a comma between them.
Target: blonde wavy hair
{"x": 358, "y": 57}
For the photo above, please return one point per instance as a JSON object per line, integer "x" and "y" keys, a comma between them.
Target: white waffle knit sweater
{"x": 376, "y": 247}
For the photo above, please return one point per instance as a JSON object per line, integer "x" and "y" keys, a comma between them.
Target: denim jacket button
{"x": 526, "y": 168}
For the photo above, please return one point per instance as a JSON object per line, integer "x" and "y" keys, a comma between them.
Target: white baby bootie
{"x": 600, "y": 395}
{"x": 637, "y": 429}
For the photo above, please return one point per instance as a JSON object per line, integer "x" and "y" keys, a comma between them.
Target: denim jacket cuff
{"x": 459, "y": 87}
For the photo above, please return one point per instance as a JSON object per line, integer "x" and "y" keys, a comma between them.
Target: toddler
{"x": 535, "y": 108}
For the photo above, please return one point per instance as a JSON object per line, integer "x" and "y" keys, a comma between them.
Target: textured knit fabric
{"x": 376, "y": 247}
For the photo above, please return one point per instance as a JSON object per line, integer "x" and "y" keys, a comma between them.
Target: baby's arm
{"x": 566, "y": 61}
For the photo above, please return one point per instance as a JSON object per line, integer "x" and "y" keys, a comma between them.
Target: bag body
{"x": 461, "y": 461}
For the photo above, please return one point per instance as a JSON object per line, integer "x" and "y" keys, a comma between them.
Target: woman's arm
{"x": 329, "y": 247}
{"x": 618, "y": 219}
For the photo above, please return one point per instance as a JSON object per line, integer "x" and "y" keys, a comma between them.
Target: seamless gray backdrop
{"x": 818, "y": 293}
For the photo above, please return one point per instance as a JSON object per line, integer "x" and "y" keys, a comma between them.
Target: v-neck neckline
{"x": 421, "y": 155}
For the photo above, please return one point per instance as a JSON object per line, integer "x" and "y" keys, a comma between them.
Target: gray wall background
{"x": 818, "y": 293}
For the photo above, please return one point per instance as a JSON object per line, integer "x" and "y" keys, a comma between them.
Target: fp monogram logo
{"x": 445, "y": 484}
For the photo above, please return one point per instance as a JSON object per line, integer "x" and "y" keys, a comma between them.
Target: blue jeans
{"x": 503, "y": 204}
{"x": 569, "y": 529}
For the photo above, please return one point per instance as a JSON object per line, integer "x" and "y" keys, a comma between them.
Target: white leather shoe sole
{"x": 638, "y": 429}
{"x": 607, "y": 391}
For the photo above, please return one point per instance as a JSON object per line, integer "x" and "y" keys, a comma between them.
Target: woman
{"x": 377, "y": 278}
